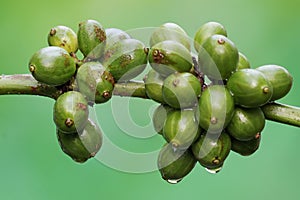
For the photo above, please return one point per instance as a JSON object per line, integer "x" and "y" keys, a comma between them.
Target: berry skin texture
{"x": 114, "y": 35}
{"x": 212, "y": 151}
{"x": 243, "y": 62}
{"x": 159, "y": 117}
{"x": 218, "y": 57}
{"x": 181, "y": 90}
{"x": 126, "y": 59}
{"x": 207, "y": 30}
{"x": 175, "y": 165}
{"x": 215, "y": 109}
{"x": 168, "y": 57}
{"x": 70, "y": 112}
{"x": 52, "y": 65}
{"x": 250, "y": 88}
{"x": 63, "y": 37}
{"x": 181, "y": 129}
{"x": 153, "y": 86}
{"x": 280, "y": 79}
{"x": 91, "y": 39}
{"x": 95, "y": 82}
{"x": 82, "y": 145}
{"x": 246, "y": 148}
{"x": 246, "y": 123}
{"x": 170, "y": 31}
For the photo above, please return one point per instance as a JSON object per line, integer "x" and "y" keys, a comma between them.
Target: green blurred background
{"x": 32, "y": 163}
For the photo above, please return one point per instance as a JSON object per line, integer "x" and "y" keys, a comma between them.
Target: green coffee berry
{"x": 280, "y": 79}
{"x": 250, "y": 88}
{"x": 181, "y": 129}
{"x": 207, "y": 30}
{"x": 70, "y": 112}
{"x": 246, "y": 123}
{"x": 153, "y": 86}
{"x": 211, "y": 150}
{"x": 181, "y": 90}
{"x": 91, "y": 39}
{"x": 52, "y": 66}
{"x": 243, "y": 62}
{"x": 175, "y": 165}
{"x": 63, "y": 37}
{"x": 215, "y": 109}
{"x": 126, "y": 59}
{"x": 159, "y": 117}
{"x": 170, "y": 31}
{"x": 168, "y": 57}
{"x": 246, "y": 148}
{"x": 82, "y": 145}
{"x": 95, "y": 82}
{"x": 114, "y": 35}
{"x": 218, "y": 57}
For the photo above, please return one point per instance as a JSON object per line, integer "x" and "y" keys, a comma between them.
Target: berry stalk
{"x": 281, "y": 113}
{"x": 25, "y": 84}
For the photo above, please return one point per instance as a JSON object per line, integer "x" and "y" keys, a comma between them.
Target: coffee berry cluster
{"x": 210, "y": 102}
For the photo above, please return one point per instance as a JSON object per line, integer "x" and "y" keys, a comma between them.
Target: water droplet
{"x": 174, "y": 181}
{"x": 214, "y": 171}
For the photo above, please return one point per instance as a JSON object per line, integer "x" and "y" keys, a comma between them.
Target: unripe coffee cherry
{"x": 250, "y": 88}
{"x": 70, "y": 112}
{"x": 175, "y": 165}
{"x": 52, "y": 66}
{"x": 168, "y": 57}
{"x": 63, "y": 37}
{"x": 81, "y": 145}
{"x": 91, "y": 39}
{"x": 207, "y": 30}
{"x": 170, "y": 31}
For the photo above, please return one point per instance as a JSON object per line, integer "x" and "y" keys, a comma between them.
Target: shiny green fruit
{"x": 114, "y": 35}
{"x": 246, "y": 148}
{"x": 168, "y": 57}
{"x": 126, "y": 59}
{"x": 170, "y": 31}
{"x": 82, "y": 145}
{"x": 243, "y": 62}
{"x": 215, "y": 108}
{"x": 52, "y": 66}
{"x": 211, "y": 150}
{"x": 91, "y": 39}
{"x": 70, "y": 112}
{"x": 153, "y": 85}
{"x": 95, "y": 82}
{"x": 175, "y": 165}
{"x": 63, "y": 37}
{"x": 181, "y": 129}
{"x": 159, "y": 117}
{"x": 181, "y": 90}
{"x": 250, "y": 88}
{"x": 218, "y": 57}
{"x": 280, "y": 79}
{"x": 246, "y": 123}
{"x": 207, "y": 30}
